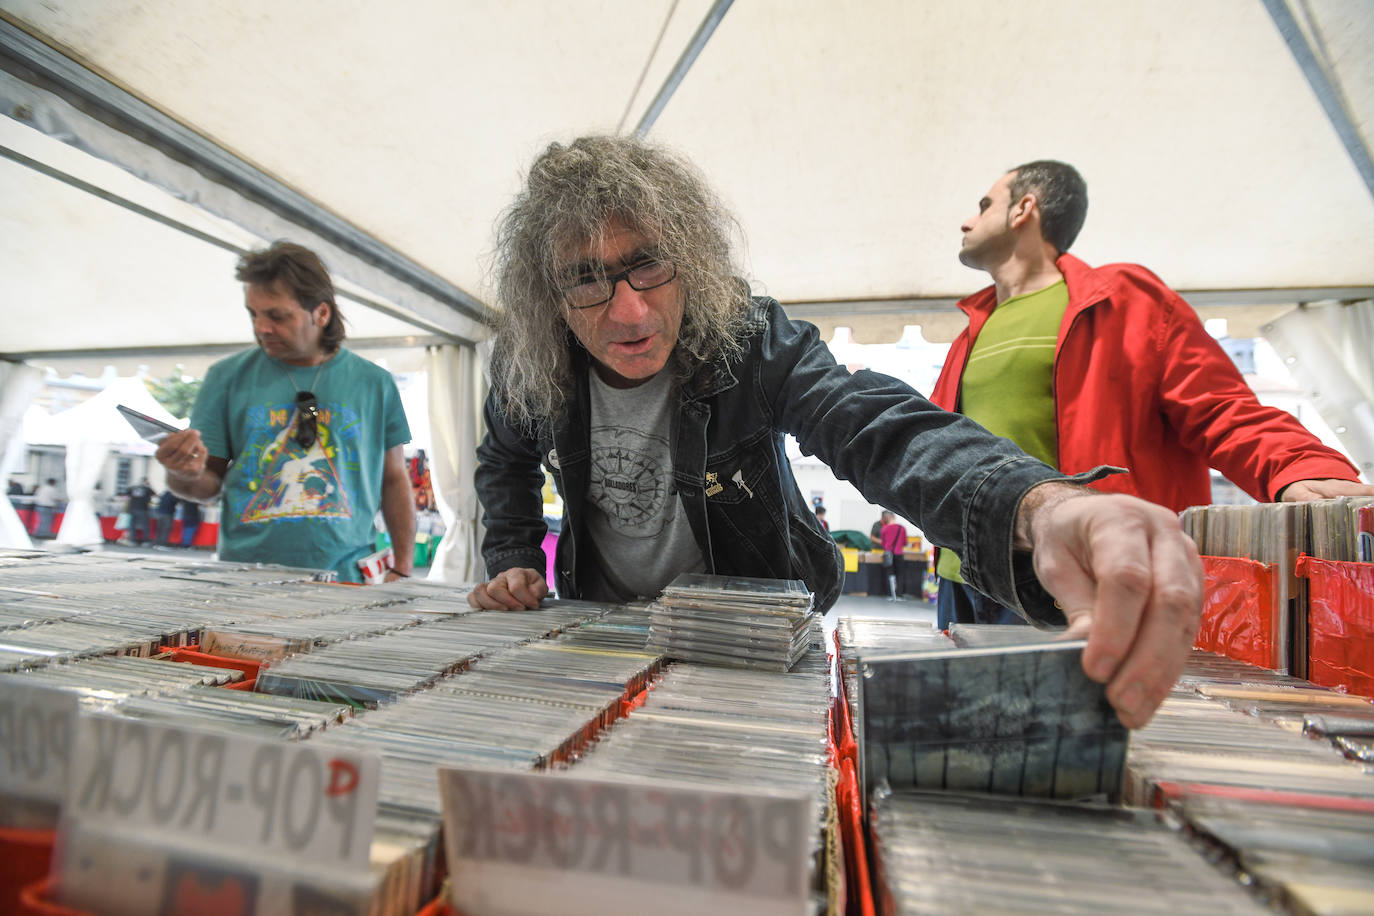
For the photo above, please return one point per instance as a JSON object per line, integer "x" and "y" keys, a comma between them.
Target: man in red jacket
{"x": 1084, "y": 366}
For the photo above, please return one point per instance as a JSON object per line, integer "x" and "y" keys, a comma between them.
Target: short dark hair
{"x": 1062, "y": 195}
{"x": 299, "y": 272}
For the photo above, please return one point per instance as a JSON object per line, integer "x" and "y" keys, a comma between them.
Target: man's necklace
{"x": 291, "y": 379}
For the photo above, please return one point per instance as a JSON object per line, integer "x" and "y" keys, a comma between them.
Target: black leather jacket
{"x": 955, "y": 480}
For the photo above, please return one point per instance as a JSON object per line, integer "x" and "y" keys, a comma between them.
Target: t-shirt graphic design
{"x": 629, "y": 480}
{"x": 292, "y": 481}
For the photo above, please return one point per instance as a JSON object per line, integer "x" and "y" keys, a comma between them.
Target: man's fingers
{"x": 1166, "y": 634}
{"x": 512, "y": 590}
{"x": 183, "y": 452}
{"x": 1130, "y": 581}
{"x": 531, "y": 590}
{"x": 1120, "y": 564}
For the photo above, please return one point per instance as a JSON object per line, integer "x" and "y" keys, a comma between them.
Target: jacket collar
{"x": 718, "y": 375}
{"x": 1085, "y": 289}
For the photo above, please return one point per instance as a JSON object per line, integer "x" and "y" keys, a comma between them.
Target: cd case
{"x": 1010, "y": 720}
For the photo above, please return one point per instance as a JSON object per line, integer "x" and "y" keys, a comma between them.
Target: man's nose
{"x": 627, "y": 304}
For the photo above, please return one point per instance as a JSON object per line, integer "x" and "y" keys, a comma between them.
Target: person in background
{"x": 190, "y": 521}
{"x": 820, "y": 517}
{"x": 140, "y": 510}
{"x": 1090, "y": 366}
{"x": 45, "y": 508}
{"x": 165, "y": 511}
{"x": 893, "y": 540}
{"x": 298, "y": 438}
{"x": 631, "y": 361}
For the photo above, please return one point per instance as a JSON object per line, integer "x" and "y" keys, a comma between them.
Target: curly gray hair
{"x": 571, "y": 194}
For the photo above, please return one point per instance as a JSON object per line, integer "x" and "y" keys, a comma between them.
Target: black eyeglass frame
{"x": 612, "y": 279}
{"x": 308, "y": 419}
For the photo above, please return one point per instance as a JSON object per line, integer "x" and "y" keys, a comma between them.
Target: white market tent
{"x": 89, "y": 431}
{"x": 1226, "y": 145}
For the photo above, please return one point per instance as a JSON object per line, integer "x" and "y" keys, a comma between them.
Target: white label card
{"x": 35, "y": 739}
{"x": 314, "y": 803}
{"x": 539, "y": 842}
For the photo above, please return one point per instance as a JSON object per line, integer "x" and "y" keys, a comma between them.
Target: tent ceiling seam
{"x": 684, "y": 63}
{"x": 29, "y": 58}
{"x": 644, "y": 72}
{"x": 355, "y": 344}
{"x": 173, "y": 223}
{"x": 1324, "y": 87}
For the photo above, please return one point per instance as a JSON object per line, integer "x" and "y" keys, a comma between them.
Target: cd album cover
{"x": 1011, "y": 720}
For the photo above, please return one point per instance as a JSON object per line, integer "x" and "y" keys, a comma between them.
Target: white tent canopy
{"x": 98, "y": 420}
{"x": 1225, "y": 146}
{"x": 850, "y": 138}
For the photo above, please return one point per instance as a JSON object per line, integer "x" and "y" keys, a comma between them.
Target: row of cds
{"x": 127, "y": 675}
{"x": 1277, "y": 534}
{"x": 55, "y": 609}
{"x": 1261, "y": 772}
{"x": 439, "y": 684}
{"x": 762, "y": 624}
{"x": 1273, "y": 773}
{"x": 366, "y": 672}
{"x": 959, "y": 853}
{"x": 722, "y": 728}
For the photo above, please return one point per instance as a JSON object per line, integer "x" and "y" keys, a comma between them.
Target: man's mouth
{"x": 639, "y": 343}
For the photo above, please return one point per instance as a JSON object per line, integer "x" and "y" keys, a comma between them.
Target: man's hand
{"x": 192, "y": 472}
{"x": 1325, "y": 488}
{"x": 183, "y": 453}
{"x": 1128, "y": 579}
{"x": 519, "y": 589}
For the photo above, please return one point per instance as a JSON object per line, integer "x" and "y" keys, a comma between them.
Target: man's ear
{"x": 321, "y": 314}
{"x": 1023, "y": 210}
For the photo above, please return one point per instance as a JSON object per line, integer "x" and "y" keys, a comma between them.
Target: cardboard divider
{"x": 193, "y": 655}
{"x": 1340, "y": 620}
{"x": 1240, "y": 613}
{"x": 845, "y": 751}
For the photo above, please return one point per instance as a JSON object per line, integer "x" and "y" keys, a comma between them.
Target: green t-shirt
{"x": 1007, "y": 386}
{"x": 283, "y": 503}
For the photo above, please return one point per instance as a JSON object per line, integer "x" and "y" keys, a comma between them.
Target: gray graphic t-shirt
{"x": 636, "y": 520}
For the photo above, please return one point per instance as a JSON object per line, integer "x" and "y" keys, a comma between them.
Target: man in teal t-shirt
{"x": 299, "y": 438}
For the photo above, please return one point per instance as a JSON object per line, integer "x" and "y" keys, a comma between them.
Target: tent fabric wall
{"x": 18, "y": 385}
{"x": 456, "y": 391}
{"x": 80, "y": 525}
{"x": 1327, "y": 349}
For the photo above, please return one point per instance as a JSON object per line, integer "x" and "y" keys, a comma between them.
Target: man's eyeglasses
{"x": 596, "y": 291}
{"x": 307, "y": 419}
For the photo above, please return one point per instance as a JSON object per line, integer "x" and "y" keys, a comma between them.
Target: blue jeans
{"x": 958, "y": 603}
{"x": 42, "y": 527}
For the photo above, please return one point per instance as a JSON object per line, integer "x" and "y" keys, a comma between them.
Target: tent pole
{"x": 1327, "y": 92}
{"x": 684, "y": 63}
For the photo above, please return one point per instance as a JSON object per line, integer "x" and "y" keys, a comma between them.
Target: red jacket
{"x": 1139, "y": 384}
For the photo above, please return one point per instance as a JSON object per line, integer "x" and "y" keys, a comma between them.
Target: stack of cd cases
{"x": 966, "y": 853}
{"x": 734, "y": 621}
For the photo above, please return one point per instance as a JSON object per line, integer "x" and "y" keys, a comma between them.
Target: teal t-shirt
{"x": 283, "y": 503}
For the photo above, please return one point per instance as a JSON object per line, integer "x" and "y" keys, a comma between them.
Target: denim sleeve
{"x": 961, "y": 484}
{"x": 509, "y": 483}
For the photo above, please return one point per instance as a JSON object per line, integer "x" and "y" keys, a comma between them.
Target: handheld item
{"x": 149, "y": 428}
